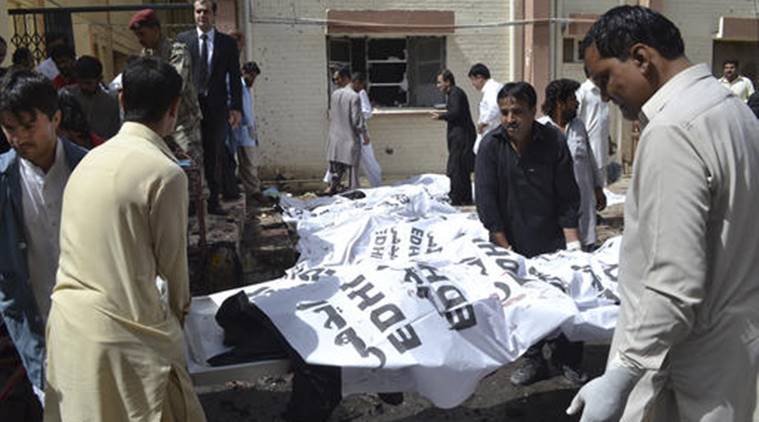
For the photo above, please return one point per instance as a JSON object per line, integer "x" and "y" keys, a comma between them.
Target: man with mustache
{"x": 527, "y": 199}
{"x": 685, "y": 344}
{"x": 560, "y": 108}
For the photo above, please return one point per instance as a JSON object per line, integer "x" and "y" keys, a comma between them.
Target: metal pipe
{"x": 93, "y": 9}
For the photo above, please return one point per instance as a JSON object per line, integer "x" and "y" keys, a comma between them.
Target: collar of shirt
{"x": 30, "y": 169}
{"x": 676, "y": 84}
{"x": 737, "y": 79}
{"x": 535, "y": 141}
{"x": 211, "y": 32}
{"x": 490, "y": 85}
{"x": 547, "y": 120}
{"x": 143, "y": 132}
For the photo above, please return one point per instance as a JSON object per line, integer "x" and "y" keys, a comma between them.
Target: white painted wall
{"x": 291, "y": 94}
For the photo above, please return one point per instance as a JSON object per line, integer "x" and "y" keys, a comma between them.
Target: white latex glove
{"x": 605, "y": 397}
{"x": 574, "y": 246}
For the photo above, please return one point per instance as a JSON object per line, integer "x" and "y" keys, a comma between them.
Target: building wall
{"x": 698, "y": 21}
{"x": 291, "y": 94}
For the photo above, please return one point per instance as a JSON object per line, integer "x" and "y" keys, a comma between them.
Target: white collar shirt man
{"x": 490, "y": 113}
{"x": 42, "y": 197}
{"x": 741, "y": 86}
{"x": 210, "y": 34}
{"x": 594, "y": 112}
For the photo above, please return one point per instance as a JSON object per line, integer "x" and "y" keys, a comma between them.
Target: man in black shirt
{"x": 461, "y": 136}
{"x": 528, "y": 200}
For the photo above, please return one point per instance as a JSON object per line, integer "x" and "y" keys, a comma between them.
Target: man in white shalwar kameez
{"x": 686, "y": 345}
{"x": 560, "y": 109}
{"x": 115, "y": 348}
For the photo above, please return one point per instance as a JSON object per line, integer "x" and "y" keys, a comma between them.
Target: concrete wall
{"x": 698, "y": 21}
{"x": 291, "y": 94}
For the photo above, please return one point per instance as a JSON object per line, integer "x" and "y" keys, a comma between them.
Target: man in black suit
{"x": 216, "y": 75}
{"x": 461, "y": 136}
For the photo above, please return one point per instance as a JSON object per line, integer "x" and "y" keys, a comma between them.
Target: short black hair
{"x": 560, "y": 90}
{"x": 88, "y": 67}
{"x": 214, "y": 5}
{"x": 359, "y": 77}
{"x": 623, "y": 26}
{"x": 21, "y": 54}
{"x": 479, "y": 69}
{"x": 24, "y": 91}
{"x": 251, "y": 67}
{"x": 72, "y": 114}
{"x": 447, "y": 76}
{"x": 521, "y": 91}
{"x": 344, "y": 72}
{"x": 733, "y": 62}
{"x": 62, "y": 51}
{"x": 150, "y": 85}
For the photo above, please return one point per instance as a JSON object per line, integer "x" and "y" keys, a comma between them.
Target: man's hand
{"x": 366, "y": 140}
{"x": 234, "y": 118}
{"x": 604, "y": 398}
{"x": 600, "y": 199}
{"x": 499, "y": 238}
{"x": 435, "y": 115}
{"x": 481, "y": 128}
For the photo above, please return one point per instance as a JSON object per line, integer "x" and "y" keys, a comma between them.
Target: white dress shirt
{"x": 42, "y": 197}
{"x": 211, "y": 34}
{"x": 490, "y": 114}
{"x": 741, "y": 86}
{"x": 594, "y": 112}
{"x": 366, "y": 105}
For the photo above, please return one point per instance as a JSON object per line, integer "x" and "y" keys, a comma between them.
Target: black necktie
{"x": 203, "y": 72}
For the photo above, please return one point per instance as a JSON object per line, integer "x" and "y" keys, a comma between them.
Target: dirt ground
{"x": 494, "y": 400}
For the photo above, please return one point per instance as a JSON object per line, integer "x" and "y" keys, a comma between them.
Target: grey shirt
{"x": 689, "y": 263}
{"x": 101, "y": 109}
{"x": 346, "y": 126}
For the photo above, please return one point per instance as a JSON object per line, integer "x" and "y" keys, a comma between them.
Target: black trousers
{"x": 213, "y": 131}
{"x": 459, "y": 171}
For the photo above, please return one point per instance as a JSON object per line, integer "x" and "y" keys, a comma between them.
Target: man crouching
{"x": 114, "y": 347}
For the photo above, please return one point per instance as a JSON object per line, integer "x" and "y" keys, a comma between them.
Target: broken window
{"x": 400, "y": 72}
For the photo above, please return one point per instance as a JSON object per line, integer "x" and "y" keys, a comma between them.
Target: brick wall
{"x": 291, "y": 94}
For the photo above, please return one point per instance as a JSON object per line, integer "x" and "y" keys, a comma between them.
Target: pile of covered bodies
{"x": 405, "y": 293}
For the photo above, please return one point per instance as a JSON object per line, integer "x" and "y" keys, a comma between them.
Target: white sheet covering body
{"x": 402, "y": 291}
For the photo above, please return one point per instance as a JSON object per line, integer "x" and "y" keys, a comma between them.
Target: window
{"x": 571, "y": 50}
{"x": 400, "y": 72}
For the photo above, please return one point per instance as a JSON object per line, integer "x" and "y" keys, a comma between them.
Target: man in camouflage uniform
{"x": 186, "y": 137}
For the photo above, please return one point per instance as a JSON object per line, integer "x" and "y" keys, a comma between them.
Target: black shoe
{"x": 533, "y": 369}
{"x": 574, "y": 375}
{"x": 216, "y": 209}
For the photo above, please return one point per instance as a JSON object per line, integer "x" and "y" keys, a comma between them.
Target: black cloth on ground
{"x": 317, "y": 389}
